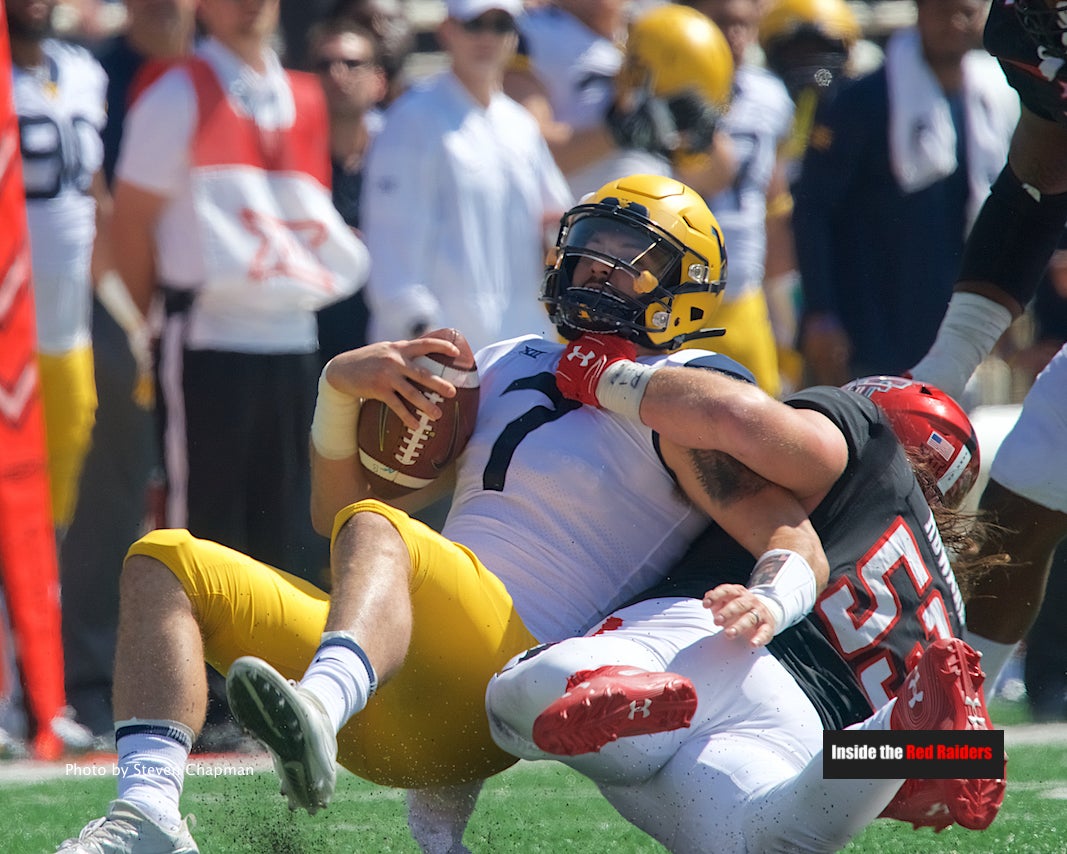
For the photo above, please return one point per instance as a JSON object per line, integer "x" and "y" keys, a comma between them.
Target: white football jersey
{"x": 578, "y": 67}
{"x": 61, "y": 110}
{"x": 758, "y": 122}
{"x": 569, "y": 505}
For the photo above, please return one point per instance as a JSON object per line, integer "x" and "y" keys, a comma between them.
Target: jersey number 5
{"x": 894, "y": 579}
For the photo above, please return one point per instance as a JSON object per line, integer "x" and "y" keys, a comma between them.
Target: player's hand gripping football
{"x": 583, "y": 364}
{"x": 741, "y": 614}
{"x": 388, "y": 371}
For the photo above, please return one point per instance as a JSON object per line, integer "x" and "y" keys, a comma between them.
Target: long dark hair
{"x": 973, "y": 542}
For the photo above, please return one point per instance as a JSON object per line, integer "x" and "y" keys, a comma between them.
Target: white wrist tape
{"x": 622, "y": 387}
{"x": 789, "y": 594}
{"x": 969, "y": 331}
{"x": 333, "y": 429}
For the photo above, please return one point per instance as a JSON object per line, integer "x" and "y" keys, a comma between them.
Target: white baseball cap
{"x": 468, "y": 10}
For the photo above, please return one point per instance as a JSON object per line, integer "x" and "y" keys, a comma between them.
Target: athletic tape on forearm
{"x": 789, "y": 591}
{"x": 333, "y": 429}
{"x": 969, "y": 331}
{"x": 622, "y": 387}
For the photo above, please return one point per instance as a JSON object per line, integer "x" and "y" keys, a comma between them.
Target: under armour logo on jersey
{"x": 644, "y": 708}
{"x": 584, "y": 358}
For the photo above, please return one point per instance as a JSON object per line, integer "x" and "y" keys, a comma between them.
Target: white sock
{"x": 438, "y": 816}
{"x": 151, "y": 769}
{"x": 340, "y": 677}
{"x": 994, "y": 656}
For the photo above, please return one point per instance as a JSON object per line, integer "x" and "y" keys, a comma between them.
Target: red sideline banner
{"x": 28, "y": 568}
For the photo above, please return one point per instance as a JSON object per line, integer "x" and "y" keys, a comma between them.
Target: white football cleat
{"x": 293, "y": 726}
{"x": 127, "y": 830}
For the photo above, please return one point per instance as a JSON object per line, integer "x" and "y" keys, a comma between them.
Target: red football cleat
{"x": 944, "y": 692}
{"x": 613, "y": 702}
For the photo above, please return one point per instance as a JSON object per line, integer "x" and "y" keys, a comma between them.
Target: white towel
{"x": 922, "y": 139}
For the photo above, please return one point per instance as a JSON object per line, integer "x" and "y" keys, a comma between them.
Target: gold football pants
{"x": 425, "y": 726}
{"x": 68, "y": 394}
{"x": 749, "y": 339}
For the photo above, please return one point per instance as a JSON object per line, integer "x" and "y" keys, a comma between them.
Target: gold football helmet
{"x": 660, "y": 238}
{"x": 674, "y": 49}
{"x": 807, "y": 42}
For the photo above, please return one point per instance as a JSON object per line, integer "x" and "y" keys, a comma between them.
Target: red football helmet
{"x": 932, "y": 426}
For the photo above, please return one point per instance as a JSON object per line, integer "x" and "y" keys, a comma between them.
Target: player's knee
{"x": 159, "y": 554}
{"x": 517, "y": 695}
{"x": 147, "y": 581}
{"x": 369, "y": 520}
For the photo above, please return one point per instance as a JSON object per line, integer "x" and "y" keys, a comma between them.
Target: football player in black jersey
{"x": 1006, "y": 253}
{"x": 891, "y": 595}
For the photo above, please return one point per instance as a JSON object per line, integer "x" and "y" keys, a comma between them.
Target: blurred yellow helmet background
{"x": 675, "y": 49}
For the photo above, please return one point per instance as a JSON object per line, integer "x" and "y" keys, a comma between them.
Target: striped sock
{"x": 151, "y": 768}
{"x": 340, "y": 676}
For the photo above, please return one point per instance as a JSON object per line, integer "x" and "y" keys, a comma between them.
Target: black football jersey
{"x": 891, "y": 589}
{"x": 1039, "y": 78}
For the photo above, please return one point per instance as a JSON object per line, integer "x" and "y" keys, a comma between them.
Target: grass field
{"x": 539, "y": 807}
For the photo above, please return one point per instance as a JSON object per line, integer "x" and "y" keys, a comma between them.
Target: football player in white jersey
{"x": 613, "y": 102}
{"x": 563, "y": 512}
{"x": 758, "y": 123}
{"x": 59, "y": 92}
{"x": 564, "y": 73}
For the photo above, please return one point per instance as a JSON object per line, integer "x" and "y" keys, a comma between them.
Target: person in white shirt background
{"x": 458, "y": 193}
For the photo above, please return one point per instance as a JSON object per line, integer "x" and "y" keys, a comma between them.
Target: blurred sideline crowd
{"x": 178, "y": 388}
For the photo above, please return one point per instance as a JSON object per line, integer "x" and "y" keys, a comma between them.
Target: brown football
{"x": 398, "y": 460}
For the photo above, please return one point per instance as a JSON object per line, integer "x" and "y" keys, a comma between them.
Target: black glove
{"x": 647, "y": 125}
{"x": 695, "y": 120}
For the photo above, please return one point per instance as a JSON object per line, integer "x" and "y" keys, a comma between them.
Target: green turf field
{"x": 540, "y": 807}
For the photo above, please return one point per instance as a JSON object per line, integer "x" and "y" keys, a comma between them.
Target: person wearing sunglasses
{"x": 346, "y": 58}
{"x": 458, "y": 190}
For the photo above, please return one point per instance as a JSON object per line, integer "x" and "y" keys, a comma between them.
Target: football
{"x": 398, "y": 460}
